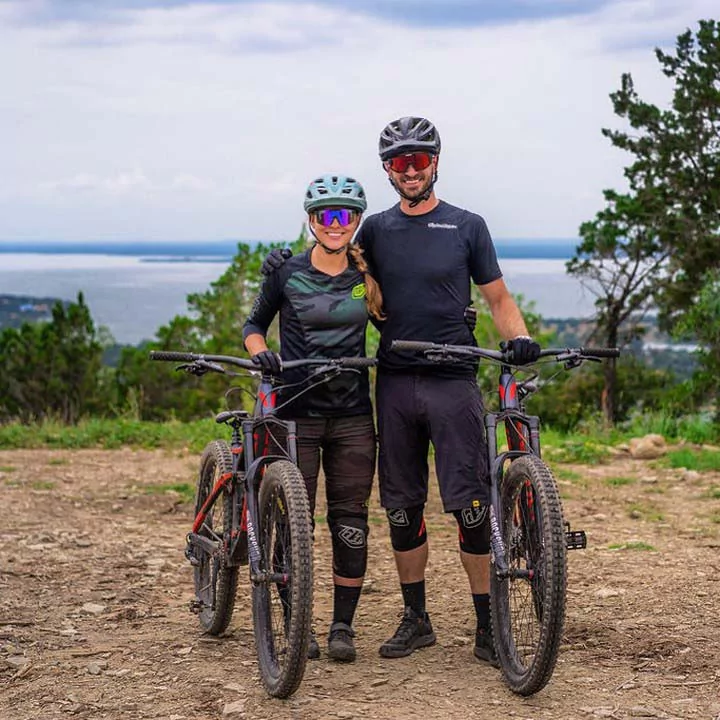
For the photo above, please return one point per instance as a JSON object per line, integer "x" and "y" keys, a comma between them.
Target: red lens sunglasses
{"x": 419, "y": 160}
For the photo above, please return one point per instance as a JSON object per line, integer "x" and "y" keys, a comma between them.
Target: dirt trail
{"x": 94, "y": 592}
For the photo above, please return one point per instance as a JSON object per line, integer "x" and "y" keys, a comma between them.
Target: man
{"x": 424, "y": 253}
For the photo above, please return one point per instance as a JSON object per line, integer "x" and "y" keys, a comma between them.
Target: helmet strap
{"x": 325, "y": 248}
{"x": 415, "y": 201}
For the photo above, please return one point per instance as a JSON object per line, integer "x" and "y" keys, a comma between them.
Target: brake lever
{"x": 200, "y": 367}
{"x": 572, "y": 362}
{"x": 326, "y": 371}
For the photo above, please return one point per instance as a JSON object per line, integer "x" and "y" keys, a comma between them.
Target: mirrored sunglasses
{"x": 327, "y": 216}
{"x": 419, "y": 160}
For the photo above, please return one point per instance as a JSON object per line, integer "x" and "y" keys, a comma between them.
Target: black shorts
{"x": 417, "y": 409}
{"x": 347, "y": 447}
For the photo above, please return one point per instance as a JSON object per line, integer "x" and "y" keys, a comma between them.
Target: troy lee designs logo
{"x": 353, "y": 537}
{"x": 398, "y": 518}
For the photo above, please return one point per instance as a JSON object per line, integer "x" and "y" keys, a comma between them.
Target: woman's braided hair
{"x": 373, "y": 294}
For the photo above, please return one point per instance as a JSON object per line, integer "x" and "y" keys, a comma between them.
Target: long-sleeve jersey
{"x": 424, "y": 265}
{"x": 320, "y": 316}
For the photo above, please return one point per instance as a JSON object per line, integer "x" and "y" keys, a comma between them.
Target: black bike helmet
{"x": 406, "y": 135}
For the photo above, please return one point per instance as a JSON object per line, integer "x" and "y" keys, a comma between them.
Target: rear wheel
{"x": 528, "y": 607}
{"x": 282, "y": 600}
{"x": 215, "y": 580}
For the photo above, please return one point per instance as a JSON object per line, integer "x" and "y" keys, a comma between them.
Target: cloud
{"x": 276, "y": 26}
{"x": 422, "y": 13}
{"x": 125, "y": 182}
{"x": 208, "y": 120}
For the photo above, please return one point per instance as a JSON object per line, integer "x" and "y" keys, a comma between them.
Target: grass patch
{"x": 700, "y": 460}
{"x": 715, "y": 519}
{"x": 632, "y": 545}
{"x": 579, "y": 451}
{"x": 111, "y": 433}
{"x": 712, "y": 493}
{"x": 7, "y": 468}
{"x": 562, "y": 473}
{"x": 698, "y": 429}
{"x": 58, "y": 461}
{"x": 42, "y": 485}
{"x": 619, "y": 481}
{"x": 185, "y": 490}
{"x": 645, "y": 512}
{"x": 655, "y": 490}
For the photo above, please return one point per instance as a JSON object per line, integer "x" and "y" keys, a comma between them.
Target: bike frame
{"x": 249, "y": 447}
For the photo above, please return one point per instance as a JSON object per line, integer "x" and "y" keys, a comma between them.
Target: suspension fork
{"x": 496, "y": 543}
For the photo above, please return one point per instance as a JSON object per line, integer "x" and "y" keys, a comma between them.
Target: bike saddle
{"x": 226, "y": 415}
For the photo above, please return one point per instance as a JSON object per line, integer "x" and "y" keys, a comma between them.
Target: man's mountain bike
{"x": 529, "y": 535}
{"x": 251, "y": 508}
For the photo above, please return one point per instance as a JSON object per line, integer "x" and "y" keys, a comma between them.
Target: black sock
{"x": 482, "y": 610}
{"x": 344, "y": 603}
{"x": 414, "y": 596}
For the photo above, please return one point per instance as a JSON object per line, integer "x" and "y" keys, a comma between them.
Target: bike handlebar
{"x": 349, "y": 362}
{"x": 499, "y": 355}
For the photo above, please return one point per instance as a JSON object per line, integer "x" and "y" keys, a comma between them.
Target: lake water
{"x": 134, "y": 298}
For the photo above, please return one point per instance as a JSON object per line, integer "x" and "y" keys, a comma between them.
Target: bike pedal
{"x": 575, "y": 539}
{"x": 196, "y": 606}
{"x": 190, "y": 555}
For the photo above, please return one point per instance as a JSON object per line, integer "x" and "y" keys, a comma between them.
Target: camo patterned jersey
{"x": 320, "y": 316}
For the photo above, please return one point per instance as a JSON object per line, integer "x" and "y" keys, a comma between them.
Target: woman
{"x": 323, "y": 297}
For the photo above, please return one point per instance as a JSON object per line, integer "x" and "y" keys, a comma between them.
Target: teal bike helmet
{"x": 335, "y": 191}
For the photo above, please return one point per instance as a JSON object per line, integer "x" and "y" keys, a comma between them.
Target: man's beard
{"x": 417, "y": 190}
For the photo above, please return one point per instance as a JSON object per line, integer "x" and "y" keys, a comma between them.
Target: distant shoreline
{"x": 225, "y": 250}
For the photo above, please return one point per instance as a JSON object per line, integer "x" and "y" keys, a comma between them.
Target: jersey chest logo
{"x": 358, "y": 292}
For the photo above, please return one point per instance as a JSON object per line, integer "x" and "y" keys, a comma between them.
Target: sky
{"x": 182, "y": 120}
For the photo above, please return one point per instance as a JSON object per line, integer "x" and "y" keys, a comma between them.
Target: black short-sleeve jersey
{"x": 320, "y": 316}
{"x": 425, "y": 265}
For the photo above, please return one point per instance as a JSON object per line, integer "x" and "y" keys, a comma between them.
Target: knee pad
{"x": 407, "y": 528}
{"x": 474, "y": 529}
{"x": 349, "y": 540}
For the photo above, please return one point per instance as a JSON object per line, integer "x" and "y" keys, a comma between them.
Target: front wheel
{"x": 282, "y": 598}
{"x": 528, "y": 606}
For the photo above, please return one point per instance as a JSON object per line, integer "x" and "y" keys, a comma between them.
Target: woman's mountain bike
{"x": 529, "y": 536}
{"x": 251, "y": 508}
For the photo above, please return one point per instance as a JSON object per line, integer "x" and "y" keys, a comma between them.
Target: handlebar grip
{"x": 601, "y": 352}
{"x": 173, "y": 356}
{"x": 412, "y": 345}
{"x": 359, "y": 362}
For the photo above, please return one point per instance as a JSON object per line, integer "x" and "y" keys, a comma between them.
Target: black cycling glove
{"x": 524, "y": 350}
{"x": 274, "y": 260}
{"x": 268, "y": 361}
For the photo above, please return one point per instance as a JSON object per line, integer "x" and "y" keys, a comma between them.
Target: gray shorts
{"x": 416, "y": 409}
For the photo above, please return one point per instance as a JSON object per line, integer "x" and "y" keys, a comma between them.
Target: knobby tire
{"x": 217, "y": 599}
{"x": 282, "y": 613}
{"x": 528, "y": 615}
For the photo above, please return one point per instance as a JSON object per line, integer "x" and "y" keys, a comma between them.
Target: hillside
{"x": 18, "y": 309}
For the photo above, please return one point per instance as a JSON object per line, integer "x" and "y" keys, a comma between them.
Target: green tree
{"x": 702, "y": 321}
{"x": 676, "y": 170}
{"x": 51, "y": 369}
{"x": 619, "y": 260}
{"x": 651, "y": 245}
